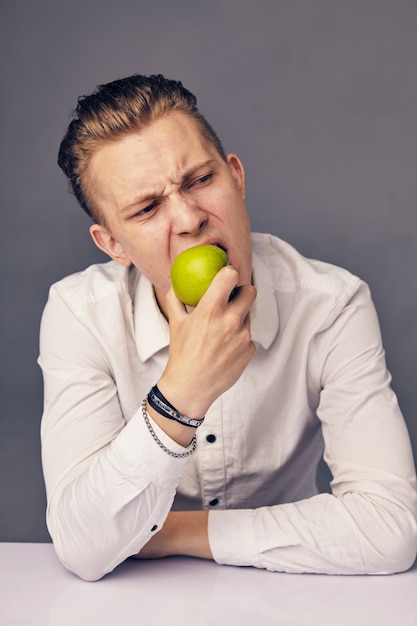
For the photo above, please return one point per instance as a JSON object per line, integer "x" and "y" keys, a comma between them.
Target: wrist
{"x": 162, "y": 405}
{"x": 184, "y": 533}
{"x": 188, "y": 534}
{"x": 187, "y": 401}
{"x": 183, "y": 435}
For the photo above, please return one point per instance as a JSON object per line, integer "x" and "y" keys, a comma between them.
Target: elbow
{"x": 399, "y": 553}
{"x": 79, "y": 556}
{"x": 92, "y": 550}
{"x": 384, "y": 536}
{"x": 87, "y": 554}
{"x": 82, "y": 563}
{"x": 88, "y": 574}
{"x": 396, "y": 548}
{"x": 88, "y": 558}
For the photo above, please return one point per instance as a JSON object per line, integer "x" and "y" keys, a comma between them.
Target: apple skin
{"x": 194, "y": 269}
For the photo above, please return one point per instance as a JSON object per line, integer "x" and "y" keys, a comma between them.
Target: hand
{"x": 209, "y": 347}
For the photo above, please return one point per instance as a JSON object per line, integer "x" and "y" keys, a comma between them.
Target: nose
{"x": 187, "y": 217}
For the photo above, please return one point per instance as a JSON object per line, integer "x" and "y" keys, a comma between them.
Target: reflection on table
{"x": 37, "y": 590}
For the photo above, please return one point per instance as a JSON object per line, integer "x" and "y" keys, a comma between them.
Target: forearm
{"x": 355, "y": 533}
{"x": 352, "y": 534}
{"x": 184, "y": 533}
{"x": 123, "y": 495}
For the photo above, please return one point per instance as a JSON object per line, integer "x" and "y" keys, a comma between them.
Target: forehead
{"x": 155, "y": 156}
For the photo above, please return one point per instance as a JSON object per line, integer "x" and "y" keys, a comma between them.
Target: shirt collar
{"x": 264, "y": 313}
{"x": 152, "y": 329}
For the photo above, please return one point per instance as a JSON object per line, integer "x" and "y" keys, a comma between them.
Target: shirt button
{"x": 154, "y": 527}
{"x": 214, "y": 502}
{"x": 211, "y": 438}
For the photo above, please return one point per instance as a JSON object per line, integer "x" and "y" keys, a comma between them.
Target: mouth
{"x": 215, "y": 242}
{"x": 219, "y": 245}
{"x": 222, "y": 247}
{"x": 211, "y": 242}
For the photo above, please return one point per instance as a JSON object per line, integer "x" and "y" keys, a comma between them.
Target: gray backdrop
{"x": 318, "y": 98}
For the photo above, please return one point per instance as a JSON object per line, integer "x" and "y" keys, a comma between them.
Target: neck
{"x": 160, "y": 297}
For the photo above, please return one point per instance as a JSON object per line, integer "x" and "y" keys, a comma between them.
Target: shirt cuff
{"x": 232, "y": 537}
{"x": 136, "y": 449}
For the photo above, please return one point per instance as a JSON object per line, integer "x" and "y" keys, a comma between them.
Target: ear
{"x": 238, "y": 172}
{"x": 109, "y": 244}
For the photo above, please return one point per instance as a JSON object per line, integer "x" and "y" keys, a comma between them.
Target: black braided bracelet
{"x": 158, "y": 402}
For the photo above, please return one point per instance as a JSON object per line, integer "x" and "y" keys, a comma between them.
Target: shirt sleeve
{"x": 109, "y": 485}
{"x": 368, "y": 523}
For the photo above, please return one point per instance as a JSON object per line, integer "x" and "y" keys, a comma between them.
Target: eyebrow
{"x": 150, "y": 197}
{"x": 140, "y": 200}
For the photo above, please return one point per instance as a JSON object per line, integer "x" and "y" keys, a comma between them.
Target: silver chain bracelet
{"x": 177, "y": 455}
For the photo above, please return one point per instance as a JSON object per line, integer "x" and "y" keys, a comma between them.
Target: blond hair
{"x": 116, "y": 109}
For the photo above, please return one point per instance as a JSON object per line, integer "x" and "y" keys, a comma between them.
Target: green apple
{"x": 194, "y": 269}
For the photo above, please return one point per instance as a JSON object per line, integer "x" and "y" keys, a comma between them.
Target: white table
{"x": 35, "y": 590}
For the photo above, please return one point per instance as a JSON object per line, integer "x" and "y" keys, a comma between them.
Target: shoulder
{"x": 313, "y": 292}
{"x": 292, "y": 272}
{"x": 95, "y": 284}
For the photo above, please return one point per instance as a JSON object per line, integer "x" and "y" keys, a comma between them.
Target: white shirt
{"x": 318, "y": 376}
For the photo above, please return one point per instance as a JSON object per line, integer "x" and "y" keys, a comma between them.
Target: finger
{"x": 220, "y": 288}
{"x": 243, "y": 298}
{"x": 173, "y": 307}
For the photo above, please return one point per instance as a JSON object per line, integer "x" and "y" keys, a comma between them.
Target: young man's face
{"x": 165, "y": 189}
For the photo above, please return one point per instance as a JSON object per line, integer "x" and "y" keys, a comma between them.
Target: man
{"x": 258, "y": 382}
